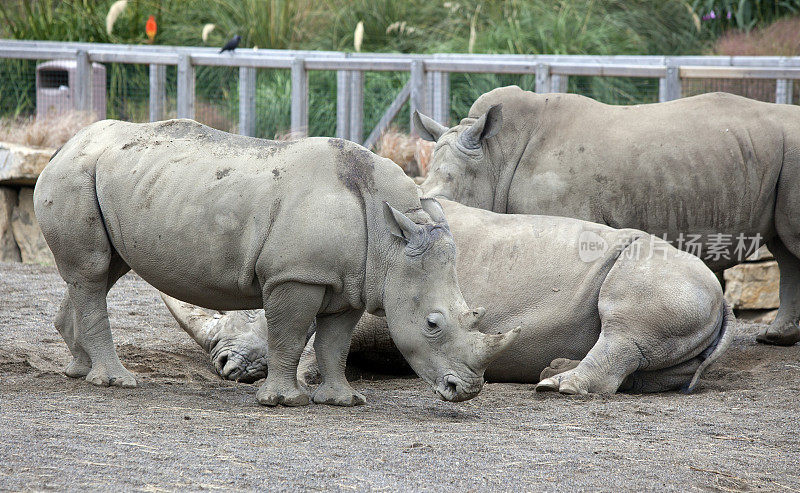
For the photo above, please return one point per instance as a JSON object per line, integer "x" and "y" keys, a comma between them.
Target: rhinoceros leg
{"x": 601, "y": 371}
{"x": 81, "y": 363}
{"x": 332, "y": 346}
{"x": 656, "y": 312}
{"x": 672, "y": 378}
{"x": 784, "y": 331}
{"x": 290, "y": 308}
{"x": 87, "y": 324}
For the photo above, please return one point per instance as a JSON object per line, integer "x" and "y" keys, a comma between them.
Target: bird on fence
{"x": 231, "y": 44}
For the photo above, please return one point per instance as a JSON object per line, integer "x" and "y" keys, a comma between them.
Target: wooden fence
{"x": 427, "y": 90}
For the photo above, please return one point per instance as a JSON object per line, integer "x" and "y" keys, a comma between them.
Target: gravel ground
{"x": 186, "y": 429}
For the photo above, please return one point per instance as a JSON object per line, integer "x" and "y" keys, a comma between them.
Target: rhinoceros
{"x": 315, "y": 229}
{"x": 601, "y": 309}
{"x": 714, "y": 174}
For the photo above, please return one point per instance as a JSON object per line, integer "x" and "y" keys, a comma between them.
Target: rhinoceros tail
{"x": 717, "y": 347}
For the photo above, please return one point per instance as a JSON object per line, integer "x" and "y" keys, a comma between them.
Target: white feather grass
{"x": 113, "y": 13}
{"x": 207, "y": 30}
{"x": 358, "y": 35}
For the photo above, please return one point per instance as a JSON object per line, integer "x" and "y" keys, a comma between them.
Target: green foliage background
{"x": 603, "y": 27}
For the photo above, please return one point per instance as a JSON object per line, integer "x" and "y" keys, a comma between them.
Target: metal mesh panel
{"x": 128, "y": 92}
{"x": 217, "y": 97}
{"x": 273, "y": 103}
{"x": 380, "y": 90}
{"x": 616, "y": 90}
{"x": 759, "y": 89}
{"x": 17, "y": 88}
{"x": 466, "y": 88}
{"x": 321, "y": 103}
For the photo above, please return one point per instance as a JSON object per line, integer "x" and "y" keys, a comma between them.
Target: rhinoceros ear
{"x": 434, "y": 209}
{"x": 484, "y": 127}
{"x": 428, "y": 128}
{"x": 400, "y": 225}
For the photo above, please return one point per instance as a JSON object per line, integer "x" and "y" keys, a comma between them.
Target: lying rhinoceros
{"x": 714, "y": 174}
{"x": 639, "y": 314}
{"x": 302, "y": 229}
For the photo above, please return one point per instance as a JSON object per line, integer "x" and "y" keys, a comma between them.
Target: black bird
{"x": 231, "y": 44}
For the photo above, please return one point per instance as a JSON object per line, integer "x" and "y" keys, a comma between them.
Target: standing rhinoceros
{"x": 302, "y": 229}
{"x": 639, "y": 314}
{"x": 714, "y": 172}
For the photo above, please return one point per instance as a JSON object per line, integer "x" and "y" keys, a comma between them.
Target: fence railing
{"x": 427, "y": 89}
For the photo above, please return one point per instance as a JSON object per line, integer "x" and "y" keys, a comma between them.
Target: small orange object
{"x": 150, "y": 28}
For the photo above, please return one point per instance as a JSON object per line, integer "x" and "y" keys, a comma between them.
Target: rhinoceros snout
{"x": 236, "y": 366}
{"x": 453, "y": 389}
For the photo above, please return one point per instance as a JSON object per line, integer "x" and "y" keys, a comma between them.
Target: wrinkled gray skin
{"x": 302, "y": 229}
{"x": 714, "y": 163}
{"x": 639, "y": 316}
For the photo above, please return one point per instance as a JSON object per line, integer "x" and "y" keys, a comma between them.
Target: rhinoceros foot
{"x": 240, "y": 356}
{"x": 77, "y": 368}
{"x": 293, "y": 396}
{"x": 578, "y": 381}
{"x": 338, "y": 396}
{"x": 111, "y": 377}
{"x": 782, "y": 335}
{"x": 558, "y": 365}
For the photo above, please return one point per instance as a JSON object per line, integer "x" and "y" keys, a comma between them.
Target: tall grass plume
{"x": 113, "y": 13}
{"x": 50, "y": 132}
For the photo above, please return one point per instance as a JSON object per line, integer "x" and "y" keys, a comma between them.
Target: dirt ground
{"x": 184, "y": 428}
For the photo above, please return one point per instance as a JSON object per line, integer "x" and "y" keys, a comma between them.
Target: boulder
{"x": 32, "y": 245}
{"x": 753, "y": 286}
{"x": 9, "y": 251}
{"x": 20, "y": 165}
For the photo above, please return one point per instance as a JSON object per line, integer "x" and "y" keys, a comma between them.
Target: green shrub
{"x": 664, "y": 27}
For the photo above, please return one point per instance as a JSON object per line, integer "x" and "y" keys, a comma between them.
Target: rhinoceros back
{"x": 196, "y": 211}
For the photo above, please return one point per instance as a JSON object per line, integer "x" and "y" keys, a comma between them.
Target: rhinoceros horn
{"x": 484, "y": 127}
{"x": 434, "y": 209}
{"x": 486, "y": 347}
{"x": 191, "y": 318}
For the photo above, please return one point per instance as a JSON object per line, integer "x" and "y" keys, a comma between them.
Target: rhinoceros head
{"x": 427, "y": 316}
{"x": 460, "y": 169}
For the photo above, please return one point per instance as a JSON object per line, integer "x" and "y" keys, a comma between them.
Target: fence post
{"x": 783, "y": 87}
{"x": 669, "y": 87}
{"x": 430, "y": 91}
{"x": 783, "y": 91}
{"x": 441, "y": 97}
{"x": 543, "y": 83}
{"x": 185, "y": 86}
{"x": 357, "y": 106}
{"x": 158, "y": 91}
{"x": 299, "y": 97}
{"x": 343, "y": 103}
{"x": 247, "y": 101}
{"x": 559, "y": 83}
{"x": 83, "y": 82}
{"x": 417, "y": 98}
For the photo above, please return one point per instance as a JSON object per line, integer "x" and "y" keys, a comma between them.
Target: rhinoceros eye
{"x": 434, "y": 322}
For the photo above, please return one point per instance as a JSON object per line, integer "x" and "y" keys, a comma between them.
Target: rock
{"x": 32, "y": 246}
{"x": 9, "y": 251}
{"x": 753, "y": 285}
{"x": 761, "y": 254}
{"x": 20, "y": 165}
